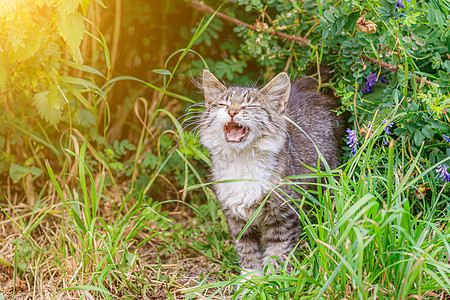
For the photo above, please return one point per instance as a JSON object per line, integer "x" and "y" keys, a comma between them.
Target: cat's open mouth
{"x": 234, "y": 132}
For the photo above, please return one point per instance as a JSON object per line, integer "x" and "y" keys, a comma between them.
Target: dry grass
{"x": 44, "y": 256}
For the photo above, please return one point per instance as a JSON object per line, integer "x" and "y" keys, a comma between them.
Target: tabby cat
{"x": 249, "y": 137}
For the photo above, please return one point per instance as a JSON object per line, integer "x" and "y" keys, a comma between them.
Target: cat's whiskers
{"x": 196, "y": 132}
{"x": 200, "y": 104}
{"x": 278, "y": 128}
{"x": 202, "y": 124}
{"x": 199, "y": 127}
{"x": 197, "y": 122}
{"x": 190, "y": 124}
{"x": 254, "y": 126}
{"x": 191, "y": 113}
{"x": 191, "y": 120}
{"x": 187, "y": 123}
{"x": 195, "y": 117}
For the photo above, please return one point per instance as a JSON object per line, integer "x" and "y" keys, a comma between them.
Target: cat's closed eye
{"x": 251, "y": 106}
{"x": 219, "y": 105}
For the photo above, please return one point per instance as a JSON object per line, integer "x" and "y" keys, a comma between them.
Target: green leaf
{"x": 407, "y": 39}
{"x": 296, "y": 6}
{"x": 67, "y": 7}
{"x": 351, "y": 21}
{"x": 82, "y": 82}
{"x": 86, "y": 288}
{"x": 329, "y": 16}
{"x": 418, "y": 138}
{"x": 85, "y": 6}
{"x": 17, "y": 172}
{"x": 49, "y": 104}
{"x": 190, "y": 296}
{"x": 420, "y": 41}
{"x": 162, "y": 72}
{"x": 399, "y": 131}
{"x": 427, "y": 131}
{"x": 325, "y": 33}
{"x": 83, "y": 68}
{"x": 440, "y": 19}
{"x": 386, "y": 5}
{"x": 383, "y": 11}
{"x": 431, "y": 17}
{"x": 28, "y": 46}
{"x": 71, "y": 29}
{"x": 151, "y": 160}
{"x": 444, "y": 75}
{"x": 447, "y": 65}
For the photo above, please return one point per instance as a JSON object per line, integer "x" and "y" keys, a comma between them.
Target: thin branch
{"x": 208, "y": 9}
{"x": 380, "y": 63}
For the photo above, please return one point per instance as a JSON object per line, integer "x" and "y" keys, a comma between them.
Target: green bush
{"x": 38, "y": 87}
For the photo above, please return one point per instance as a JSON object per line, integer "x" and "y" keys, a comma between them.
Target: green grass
{"x": 365, "y": 237}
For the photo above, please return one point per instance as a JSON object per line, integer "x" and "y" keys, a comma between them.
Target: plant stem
{"x": 390, "y": 172}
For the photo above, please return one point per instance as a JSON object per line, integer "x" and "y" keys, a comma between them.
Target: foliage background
{"x": 91, "y": 150}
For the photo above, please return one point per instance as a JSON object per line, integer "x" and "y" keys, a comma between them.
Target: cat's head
{"x": 239, "y": 117}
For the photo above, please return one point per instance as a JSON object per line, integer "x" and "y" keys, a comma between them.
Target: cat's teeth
{"x": 235, "y": 132}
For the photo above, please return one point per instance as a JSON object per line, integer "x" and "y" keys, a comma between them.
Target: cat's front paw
{"x": 250, "y": 273}
{"x": 275, "y": 266}
{"x": 245, "y": 275}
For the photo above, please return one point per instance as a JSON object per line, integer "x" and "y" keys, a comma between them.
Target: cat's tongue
{"x": 234, "y": 132}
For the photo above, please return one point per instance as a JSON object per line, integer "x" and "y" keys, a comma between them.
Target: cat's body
{"x": 249, "y": 138}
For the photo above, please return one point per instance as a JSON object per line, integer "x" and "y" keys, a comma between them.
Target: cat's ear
{"x": 212, "y": 88}
{"x": 277, "y": 90}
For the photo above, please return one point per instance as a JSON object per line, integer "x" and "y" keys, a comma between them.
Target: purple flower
{"x": 383, "y": 78}
{"x": 443, "y": 172}
{"x": 387, "y": 130}
{"x": 370, "y": 83}
{"x": 400, "y": 4}
{"x": 352, "y": 141}
{"x": 446, "y": 138}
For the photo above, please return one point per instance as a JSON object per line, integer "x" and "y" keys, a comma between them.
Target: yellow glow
{"x": 11, "y": 3}
{"x": 8, "y": 6}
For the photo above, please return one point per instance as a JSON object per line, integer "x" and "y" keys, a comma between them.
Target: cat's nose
{"x": 232, "y": 113}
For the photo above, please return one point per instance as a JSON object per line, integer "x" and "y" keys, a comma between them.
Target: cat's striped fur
{"x": 249, "y": 138}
